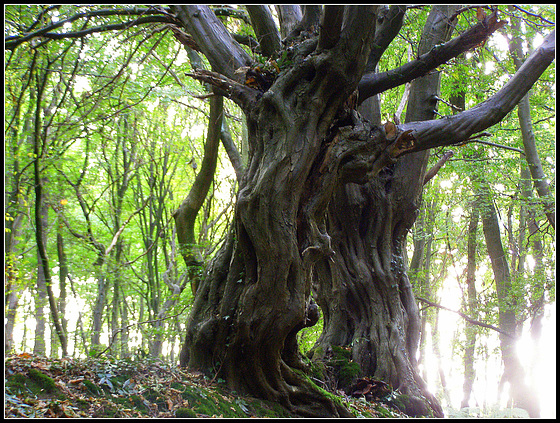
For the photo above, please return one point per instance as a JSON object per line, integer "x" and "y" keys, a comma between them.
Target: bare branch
{"x": 534, "y": 15}
{"x": 435, "y": 169}
{"x": 492, "y": 144}
{"x": 265, "y": 29}
{"x": 242, "y": 95}
{"x": 458, "y": 128}
{"x": 373, "y": 83}
{"x": 464, "y": 316}
{"x": 123, "y": 226}
{"x": 12, "y": 42}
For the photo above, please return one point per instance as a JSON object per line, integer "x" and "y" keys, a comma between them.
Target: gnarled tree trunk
{"x": 306, "y": 143}
{"x": 364, "y": 292}
{"x": 249, "y": 308}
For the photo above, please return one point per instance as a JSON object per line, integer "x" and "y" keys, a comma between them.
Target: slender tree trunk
{"x": 63, "y": 273}
{"x": 39, "y": 346}
{"x": 99, "y": 304}
{"x": 514, "y": 373}
{"x": 470, "y": 331}
{"x": 529, "y": 144}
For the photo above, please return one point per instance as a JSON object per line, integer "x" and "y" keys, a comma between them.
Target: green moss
{"x": 262, "y": 408}
{"x": 155, "y": 397}
{"x": 384, "y": 411}
{"x": 411, "y": 405}
{"x": 184, "y": 412}
{"x": 348, "y": 372}
{"x": 42, "y": 380}
{"x": 346, "y": 369}
{"x": 16, "y": 383}
{"x": 340, "y": 353}
{"x": 92, "y": 387}
{"x": 323, "y": 392}
{"x": 317, "y": 369}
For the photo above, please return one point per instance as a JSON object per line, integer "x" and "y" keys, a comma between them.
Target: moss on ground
{"x": 92, "y": 387}
{"x": 105, "y": 388}
{"x": 43, "y": 381}
{"x": 35, "y": 383}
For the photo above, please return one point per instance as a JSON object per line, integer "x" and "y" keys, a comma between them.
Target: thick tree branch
{"x": 222, "y": 51}
{"x": 373, "y": 83}
{"x": 358, "y": 152}
{"x": 231, "y": 12}
{"x": 265, "y": 29}
{"x": 330, "y": 27}
{"x": 389, "y": 23}
{"x": 457, "y": 128}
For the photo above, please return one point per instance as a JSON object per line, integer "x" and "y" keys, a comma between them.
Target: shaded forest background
{"x": 105, "y": 136}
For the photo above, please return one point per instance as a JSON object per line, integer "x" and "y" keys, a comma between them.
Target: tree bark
{"x": 364, "y": 291}
{"x": 470, "y": 331}
{"x": 513, "y": 369}
{"x": 304, "y": 143}
{"x": 255, "y": 298}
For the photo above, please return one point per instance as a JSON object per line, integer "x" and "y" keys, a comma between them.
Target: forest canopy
{"x": 297, "y": 201}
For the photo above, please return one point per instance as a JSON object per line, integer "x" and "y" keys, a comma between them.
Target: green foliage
{"x": 118, "y": 131}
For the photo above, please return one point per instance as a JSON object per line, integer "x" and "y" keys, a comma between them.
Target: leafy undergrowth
{"x": 39, "y": 387}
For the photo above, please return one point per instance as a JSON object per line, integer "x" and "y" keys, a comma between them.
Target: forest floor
{"x": 38, "y": 387}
